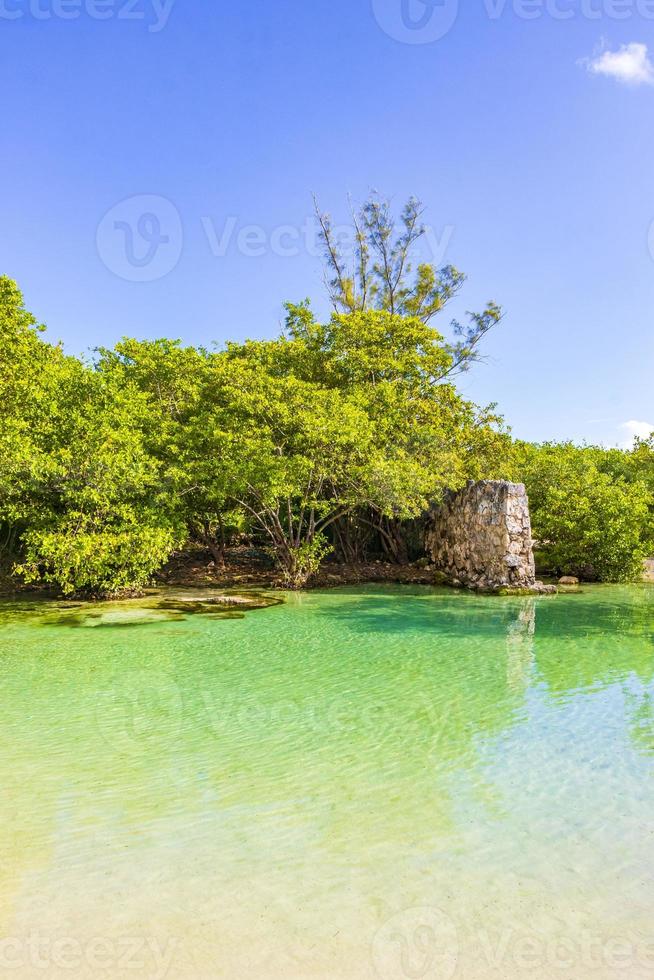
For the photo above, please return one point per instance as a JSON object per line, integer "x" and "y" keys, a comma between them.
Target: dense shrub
{"x": 592, "y": 509}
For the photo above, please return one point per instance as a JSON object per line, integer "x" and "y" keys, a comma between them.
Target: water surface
{"x": 379, "y": 781}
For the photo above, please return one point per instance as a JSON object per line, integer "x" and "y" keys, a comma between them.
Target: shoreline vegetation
{"x": 321, "y": 448}
{"x": 246, "y": 570}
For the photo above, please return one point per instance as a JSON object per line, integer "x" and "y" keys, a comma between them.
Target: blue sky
{"x": 159, "y": 159}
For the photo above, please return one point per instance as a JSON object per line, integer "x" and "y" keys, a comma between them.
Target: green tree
{"x": 105, "y": 521}
{"x": 380, "y": 275}
{"x": 591, "y": 508}
{"x": 596, "y": 522}
{"x": 174, "y": 381}
{"x": 81, "y": 500}
{"x": 356, "y": 416}
{"x": 107, "y": 466}
{"x": 292, "y": 456}
{"x": 34, "y": 380}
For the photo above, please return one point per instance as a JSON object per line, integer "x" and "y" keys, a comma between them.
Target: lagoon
{"x": 377, "y": 781}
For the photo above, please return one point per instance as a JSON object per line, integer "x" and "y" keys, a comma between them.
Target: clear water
{"x": 368, "y": 782}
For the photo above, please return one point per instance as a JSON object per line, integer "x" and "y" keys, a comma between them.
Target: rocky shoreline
{"x": 247, "y": 568}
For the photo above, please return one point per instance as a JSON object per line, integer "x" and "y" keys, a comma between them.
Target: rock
{"x": 538, "y": 588}
{"x": 214, "y": 604}
{"x": 215, "y": 600}
{"x": 569, "y": 580}
{"x": 480, "y": 537}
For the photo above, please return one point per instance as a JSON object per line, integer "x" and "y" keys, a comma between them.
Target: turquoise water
{"x": 390, "y": 782}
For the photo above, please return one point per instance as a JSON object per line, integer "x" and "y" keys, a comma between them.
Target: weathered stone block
{"x": 480, "y": 537}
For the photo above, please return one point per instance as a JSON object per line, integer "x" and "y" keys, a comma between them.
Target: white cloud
{"x": 630, "y": 65}
{"x": 632, "y": 430}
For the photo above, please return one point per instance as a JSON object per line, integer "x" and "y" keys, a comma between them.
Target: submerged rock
{"x": 219, "y": 600}
{"x": 96, "y": 617}
{"x": 159, "y": 609}
{"x": 538, "y": 588}
{"x": 216, "y": 603}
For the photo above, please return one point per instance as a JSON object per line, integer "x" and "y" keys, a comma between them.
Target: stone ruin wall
{"x": 480, "y": 537}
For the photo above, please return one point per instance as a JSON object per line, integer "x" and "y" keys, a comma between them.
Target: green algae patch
{"x": 153, "y": 609}
{"x": 114, "y": 618}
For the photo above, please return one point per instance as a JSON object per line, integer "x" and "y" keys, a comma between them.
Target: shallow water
{"x": 390, "y": 782}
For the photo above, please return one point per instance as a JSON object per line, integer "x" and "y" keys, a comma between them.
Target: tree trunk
{"x": 214, "y": 546}
{"x": 393, "y": 540}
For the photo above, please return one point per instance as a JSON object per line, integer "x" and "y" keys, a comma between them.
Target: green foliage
{"x": 77, "y": 482}
{"x": 109, "y": 561}
{"x": 106, "y": 467}
{"x": 592, "y": 508}
{"x": 381, "y": 275}
{"x": 352, "y": 415}
{"x": 325, "y": 435}
{"x": 322, "y": 437}
{"x": 641, "y": 461}
{"x": 598, "y": 523}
